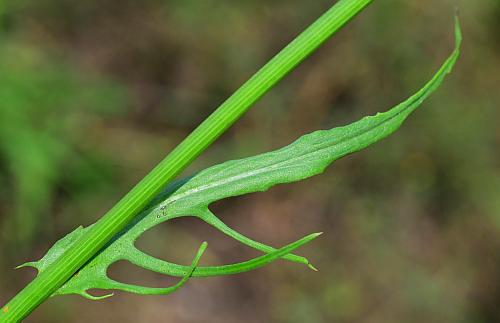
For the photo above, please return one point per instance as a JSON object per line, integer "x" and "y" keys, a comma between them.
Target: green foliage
{"x": 123, "y": 213}
{"x": 306, "y": 157}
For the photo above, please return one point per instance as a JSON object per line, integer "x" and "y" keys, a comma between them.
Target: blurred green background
{"x": 94, "y": 93}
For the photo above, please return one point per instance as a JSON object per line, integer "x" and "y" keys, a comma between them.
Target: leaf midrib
{"x": 271, "y": 167}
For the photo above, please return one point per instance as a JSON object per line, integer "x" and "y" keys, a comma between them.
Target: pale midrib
{"x": 272, "y": 167}
{"x": 410, "y": 104}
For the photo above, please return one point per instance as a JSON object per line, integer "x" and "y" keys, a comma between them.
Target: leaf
{"x": 306, "y": 157}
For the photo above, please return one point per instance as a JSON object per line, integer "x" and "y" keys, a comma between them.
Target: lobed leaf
{"x": 306, "y": 157}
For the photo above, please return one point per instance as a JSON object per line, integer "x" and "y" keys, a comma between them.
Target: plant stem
{"x": 131, "y": 204}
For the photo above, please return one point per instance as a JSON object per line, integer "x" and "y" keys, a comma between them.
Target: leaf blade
{"x": 307, "y": 156}
{"x": 318, "y": 150}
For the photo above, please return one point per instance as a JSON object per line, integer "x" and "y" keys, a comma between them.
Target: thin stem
{"x": 131, "y": 204}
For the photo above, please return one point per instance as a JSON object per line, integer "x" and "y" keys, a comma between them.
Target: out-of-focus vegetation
{"x": 94, "y": 93}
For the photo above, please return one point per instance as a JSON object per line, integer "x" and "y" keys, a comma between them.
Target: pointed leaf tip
{"x": 312, "y": 267}
{"x": 317, "y": 234}
{"x": 458, "y": 31}
{"x": 31, "y": 264}
{"x": 201, "y": 251}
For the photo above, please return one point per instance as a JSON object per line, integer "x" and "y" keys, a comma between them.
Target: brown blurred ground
{"x": 94, "y": 93}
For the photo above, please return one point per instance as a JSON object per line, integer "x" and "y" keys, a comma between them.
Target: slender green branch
{"x": 229, "y": 112}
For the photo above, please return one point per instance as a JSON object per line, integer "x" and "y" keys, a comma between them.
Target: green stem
{"x": 48, "y": 281}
